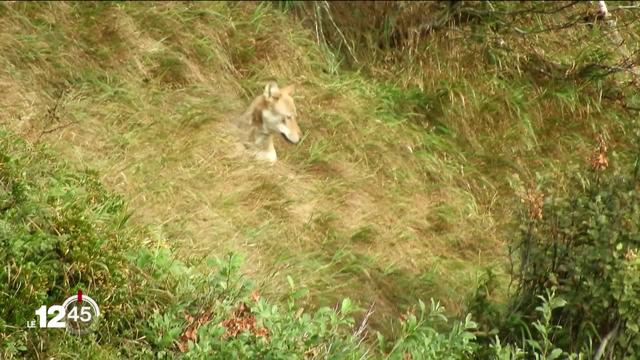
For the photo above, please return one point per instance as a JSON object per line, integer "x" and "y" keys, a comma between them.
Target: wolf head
{"x": 279, "y": 117}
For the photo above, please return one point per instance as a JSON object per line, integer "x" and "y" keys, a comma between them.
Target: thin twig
{"x": 60, "y": 127}
{"x": 52, "y": 114}
{"x": 536, "y": 11}
{"x": 610, "y": 335}
{"x": 551, "y": 28}
{"x": 361, "y": 331}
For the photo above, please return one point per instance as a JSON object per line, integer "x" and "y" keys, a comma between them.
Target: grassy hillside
{"x": 414, "y": 158}
{"x": 369, "y": 205}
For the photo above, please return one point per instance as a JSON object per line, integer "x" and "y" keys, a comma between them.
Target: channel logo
{"x": 78, "y": 315}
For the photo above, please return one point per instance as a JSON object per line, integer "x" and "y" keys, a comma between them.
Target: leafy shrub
{"x": 419, "y": 338}
{"x": 59, "y": 231}
{"x": 584, "y": 244}
{"x": 538, "y": 345}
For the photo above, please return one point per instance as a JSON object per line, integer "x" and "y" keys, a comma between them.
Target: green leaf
{"x": 346, "y": 306}
{"x": 556, "y": 353}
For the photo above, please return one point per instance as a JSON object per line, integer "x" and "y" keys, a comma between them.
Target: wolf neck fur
{"x": 262, "y": 140}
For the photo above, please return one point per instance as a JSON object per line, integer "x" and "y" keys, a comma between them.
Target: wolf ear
{"x": 271, "y": 91}
{"x": 289, "y": 90}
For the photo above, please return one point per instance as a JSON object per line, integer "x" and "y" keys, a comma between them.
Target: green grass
{"x": 400, "y": 189}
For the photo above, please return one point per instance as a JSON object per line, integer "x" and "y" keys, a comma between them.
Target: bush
{"x": 584, "y": 244}
{"x": 59, "y": 231}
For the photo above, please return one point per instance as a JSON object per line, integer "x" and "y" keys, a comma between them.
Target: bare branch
{"x": 535, "y": 10}
{"x": 361, "y": 330}
{"x": 60, "y": 127}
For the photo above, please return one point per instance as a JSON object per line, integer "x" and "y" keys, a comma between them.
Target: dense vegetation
{"x": 480, "y": 156}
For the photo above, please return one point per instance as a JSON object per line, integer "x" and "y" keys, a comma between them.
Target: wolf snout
{"x": 295, "y": 140}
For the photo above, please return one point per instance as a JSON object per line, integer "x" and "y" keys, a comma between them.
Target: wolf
{"x": 271, "y": 113}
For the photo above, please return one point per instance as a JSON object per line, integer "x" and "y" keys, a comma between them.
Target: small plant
{"x": 543, "y": 348}
{"x": 538, "y": 345}
{"x": 419, "y": 338}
